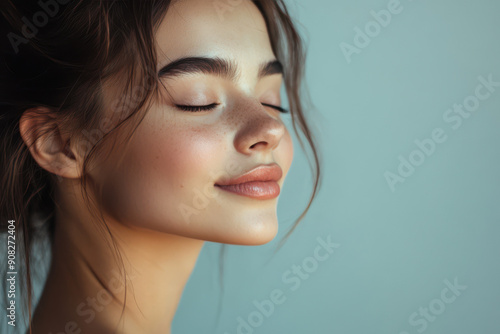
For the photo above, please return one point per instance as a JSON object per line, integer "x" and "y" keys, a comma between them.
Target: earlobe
{"x": 49, "y": 148}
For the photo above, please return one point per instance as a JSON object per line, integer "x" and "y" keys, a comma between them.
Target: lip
{"x": 261, "y": 182}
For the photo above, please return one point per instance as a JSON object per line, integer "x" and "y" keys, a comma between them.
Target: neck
{"x": 85, "y": 289}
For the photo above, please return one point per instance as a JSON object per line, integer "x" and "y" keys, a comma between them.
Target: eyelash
{"x": 213, "y": 105}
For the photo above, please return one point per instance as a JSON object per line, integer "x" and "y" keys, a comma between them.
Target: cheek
{"x": 161, "y": 168}
{"x": 178, "y": 154}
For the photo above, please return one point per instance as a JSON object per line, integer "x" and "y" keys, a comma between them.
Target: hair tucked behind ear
{"x": 61, "y": 65}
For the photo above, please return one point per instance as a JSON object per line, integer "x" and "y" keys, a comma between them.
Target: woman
{"x": 134, "y": 131}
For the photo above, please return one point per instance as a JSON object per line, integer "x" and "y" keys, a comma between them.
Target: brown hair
{"x": 60, "y": 62}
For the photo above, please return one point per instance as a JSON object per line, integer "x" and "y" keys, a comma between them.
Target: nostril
{"x": 261, "y": 142}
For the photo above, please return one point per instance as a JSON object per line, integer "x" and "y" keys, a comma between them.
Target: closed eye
{"x": 213, "y": 105}
{"x": 280, "y": 109}
{"x": 197, "y": 108}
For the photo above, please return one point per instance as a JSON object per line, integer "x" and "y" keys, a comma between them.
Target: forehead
{"x": 223, "y": 28}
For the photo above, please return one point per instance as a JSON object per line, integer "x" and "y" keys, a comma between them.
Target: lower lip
{"x": 255, "y": 189}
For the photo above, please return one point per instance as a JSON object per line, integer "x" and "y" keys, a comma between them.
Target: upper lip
{"x": 270, "y": 172}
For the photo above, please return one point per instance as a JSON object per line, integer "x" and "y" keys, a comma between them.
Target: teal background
{"x": 396, "y": 248}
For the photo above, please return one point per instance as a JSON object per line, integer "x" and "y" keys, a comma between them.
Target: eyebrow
{"x": 215, "y": 66}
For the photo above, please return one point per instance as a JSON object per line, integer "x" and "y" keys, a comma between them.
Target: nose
{"x": 260, "y": 132}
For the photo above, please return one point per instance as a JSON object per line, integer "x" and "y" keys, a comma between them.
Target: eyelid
{"x": 213, "y": 105}
{"x": 280, "y": 109}
{"x": 197, "y": 108}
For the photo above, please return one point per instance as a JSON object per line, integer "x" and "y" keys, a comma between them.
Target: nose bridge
{"x": 258, "y": 129}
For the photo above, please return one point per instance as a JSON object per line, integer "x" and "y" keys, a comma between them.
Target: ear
{"x": 51, "y": 150}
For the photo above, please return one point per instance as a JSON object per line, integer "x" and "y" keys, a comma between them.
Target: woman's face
{"x": 166, "y": 180}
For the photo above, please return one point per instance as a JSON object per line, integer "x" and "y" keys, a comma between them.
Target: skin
{"x": 172, "y": 154}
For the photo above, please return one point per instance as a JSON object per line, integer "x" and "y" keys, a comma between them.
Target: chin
{"x": 255, "y": 234}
